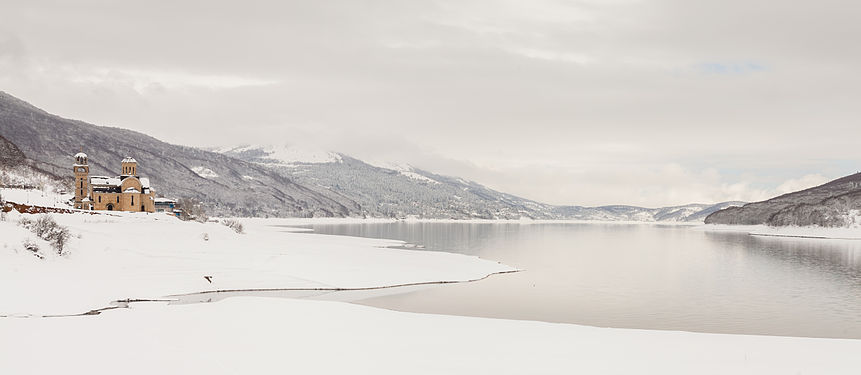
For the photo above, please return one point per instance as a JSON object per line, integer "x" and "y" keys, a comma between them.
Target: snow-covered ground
{"x": 146, "y": 256}
{"x": 247, "y": 335}
{"x": 45, "y": 198}
{"x": 204, "y": 172}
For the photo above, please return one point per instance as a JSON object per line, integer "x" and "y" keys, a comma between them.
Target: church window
{"x": 133, "y": 200}
{"x": 100, "y": 199}
{"x": 118, "y": 199}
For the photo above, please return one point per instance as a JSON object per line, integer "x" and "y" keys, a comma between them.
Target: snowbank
{"x": 357, "y": 220}
{"x": 45, "y": 198}
{"x": 790, "y": 231}
{"x": 246, "y": 335}
{"x": 143, "y": 256}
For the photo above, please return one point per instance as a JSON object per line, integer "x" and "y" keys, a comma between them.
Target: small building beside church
{"x": 126, "y": 192}
{"x": 167, "y": 205}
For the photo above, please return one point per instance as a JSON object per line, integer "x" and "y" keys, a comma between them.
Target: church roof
{"x": 131, "y": 190}
{"x": 129, "y": 159}
{"x": 104, "y": 180}
{"x": 80, "y": 155}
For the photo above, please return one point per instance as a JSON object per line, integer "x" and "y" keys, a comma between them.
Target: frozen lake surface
{"x": 639, "y": 276}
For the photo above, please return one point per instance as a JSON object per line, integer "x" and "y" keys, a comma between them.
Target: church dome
{"x": 129, "y": 159}
{"x": 81, "y": 158}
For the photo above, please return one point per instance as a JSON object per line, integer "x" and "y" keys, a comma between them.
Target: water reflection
{"x": 641, "y": 276}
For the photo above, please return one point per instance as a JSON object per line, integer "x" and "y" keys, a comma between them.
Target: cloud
{"x": 576, "y": 102}
{"x": 549, "y": 55}
{"x": 804, "y": 182}
{"x": 142, "y": 80}
{"x": 11, "y": 47}
{"x": 729, "y": 68}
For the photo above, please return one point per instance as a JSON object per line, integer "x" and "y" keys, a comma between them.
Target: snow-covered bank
{"x": 356, "y": 220}
{"x": 122, "y": 255}
{"x": 46, "y": 198}
{"x": 247, "y": 335}
{"x": 790, "y": 231}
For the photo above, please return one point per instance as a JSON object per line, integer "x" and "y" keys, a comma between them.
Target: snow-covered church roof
{"x": 129, "y": 159}
{"x": 104, "y": 180}
{"x": 80, "y": 155}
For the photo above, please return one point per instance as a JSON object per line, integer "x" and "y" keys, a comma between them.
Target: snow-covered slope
{"x": 391, "y": 189}
{"x": 17, "y": 171}
{"x": 282, "y": 155}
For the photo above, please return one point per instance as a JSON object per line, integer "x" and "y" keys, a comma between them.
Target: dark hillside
{"x": 825, "y": 205}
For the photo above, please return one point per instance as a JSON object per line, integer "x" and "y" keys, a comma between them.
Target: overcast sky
{"x": 584, "y": 102}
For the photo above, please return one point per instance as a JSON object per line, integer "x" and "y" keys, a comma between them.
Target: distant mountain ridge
{"x": 400, "y": 190}
{"x": 833, "y": 204}
{"x": 279, "y": 181}
{"x": 687, "y": 213}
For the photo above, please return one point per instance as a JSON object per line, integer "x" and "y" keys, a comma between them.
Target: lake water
{"x": 640, "y": 276}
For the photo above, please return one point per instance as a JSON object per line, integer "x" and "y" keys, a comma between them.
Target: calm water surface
{"x": 640, "y": 276}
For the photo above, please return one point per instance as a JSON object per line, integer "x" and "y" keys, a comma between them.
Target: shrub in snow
{"x": 32, "y": 247}
{"x": 47, "y": 229}
{"x": 236, "y": 225}
{"x": 205, "y": 236}
{"x": 2, "y": 208}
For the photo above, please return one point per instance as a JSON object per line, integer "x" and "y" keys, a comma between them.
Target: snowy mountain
{"x": 393, "y": 189}
{"x": 834, "y": 204}
{"x": 396, "y": 190}
{"x": 687, "y": 213}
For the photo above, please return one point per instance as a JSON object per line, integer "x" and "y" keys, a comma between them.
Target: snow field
{"x": 246, "y": 335}
{"x": 146, "y": 256}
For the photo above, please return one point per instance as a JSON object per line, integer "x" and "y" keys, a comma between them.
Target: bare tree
{"x": 191, "y": 209}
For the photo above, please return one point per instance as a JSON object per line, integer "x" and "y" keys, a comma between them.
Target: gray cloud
{"x": 586, "y": 102}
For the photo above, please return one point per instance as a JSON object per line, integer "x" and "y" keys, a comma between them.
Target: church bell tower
{"x": 82, "y": 180}
{"x": 129, "y": 166}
